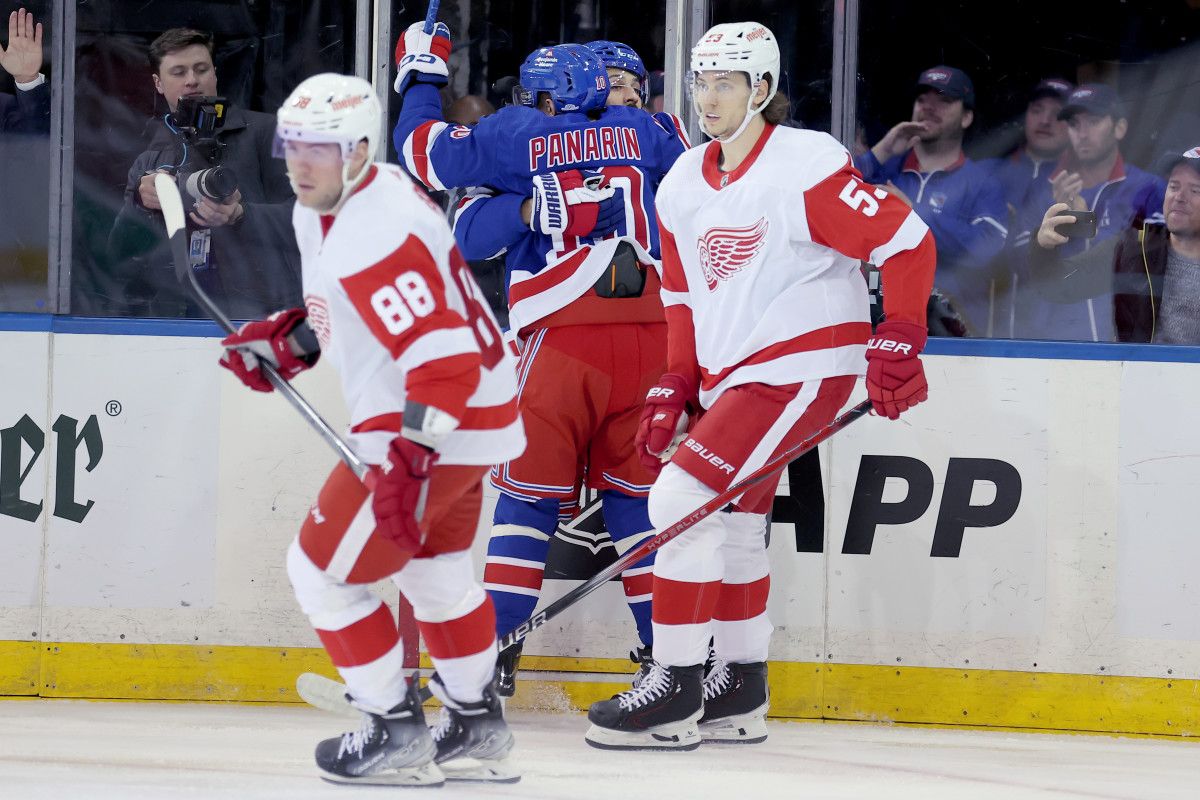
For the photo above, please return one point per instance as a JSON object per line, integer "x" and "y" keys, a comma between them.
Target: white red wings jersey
{"x": 387, "y": 292}
{"x": 766, "y": 259}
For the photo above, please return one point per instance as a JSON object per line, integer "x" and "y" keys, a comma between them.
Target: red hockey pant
{"x": 339, "y": 553}
{"x": 713, "y": 579}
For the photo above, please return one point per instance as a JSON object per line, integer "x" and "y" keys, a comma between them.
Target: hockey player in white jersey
{"x": 431, "y": 391}
{"x": 767, "y": 314}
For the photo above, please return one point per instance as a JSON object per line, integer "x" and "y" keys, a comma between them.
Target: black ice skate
{"x": 473, "y": 740}
{"x": 735, "y": 703}
{"x": 506, "y": 670}
{"x": 392, "y": 748}
{"x": 659, "y": 713}
{"x": 643, "y": 657}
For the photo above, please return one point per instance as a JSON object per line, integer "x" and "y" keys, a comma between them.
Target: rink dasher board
{"x": 173, "y": 585}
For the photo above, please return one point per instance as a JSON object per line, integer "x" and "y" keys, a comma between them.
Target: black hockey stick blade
{"x": 172, "y": 211}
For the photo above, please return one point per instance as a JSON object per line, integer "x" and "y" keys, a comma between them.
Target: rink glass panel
{"x": 1147, "y": 50}
{"x": 262, "y": 51}
{"x": 25, "y": 199}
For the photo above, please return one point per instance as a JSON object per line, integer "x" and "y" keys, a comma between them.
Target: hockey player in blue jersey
{"x": 583, "y": 298}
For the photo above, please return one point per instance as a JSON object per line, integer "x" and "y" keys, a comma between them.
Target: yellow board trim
{"x": 918, "y": 695}
{"x": 19, "y": 668}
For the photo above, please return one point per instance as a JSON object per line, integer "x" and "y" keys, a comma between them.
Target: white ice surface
{"x": 77, "y": 750}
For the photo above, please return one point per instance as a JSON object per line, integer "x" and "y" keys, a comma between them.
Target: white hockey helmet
{"x": 332, "y": 109}
{"x": 747, "y": 47}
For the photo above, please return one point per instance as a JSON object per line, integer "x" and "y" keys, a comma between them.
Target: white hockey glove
{"x": 422, "y": 57}
{"x": 567, "y": 204}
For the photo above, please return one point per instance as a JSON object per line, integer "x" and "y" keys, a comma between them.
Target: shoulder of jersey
{"x": 512, "y": 116}
{"x": 815, "y": 155}
{"x": 687, "y": 167}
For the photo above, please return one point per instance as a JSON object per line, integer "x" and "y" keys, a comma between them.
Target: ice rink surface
{"x": 80, "y": 750}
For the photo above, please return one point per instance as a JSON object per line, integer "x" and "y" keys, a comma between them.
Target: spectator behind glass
{"x": 658, "y": 91}
{"x": 923, "y": 162}
{"x": 1070, "y": 280}
{"x": 1045, "y": 140}
{"x": 1156, "y": 292}
{"x": 29, "y": 111}
{"x": 243, "y": 247}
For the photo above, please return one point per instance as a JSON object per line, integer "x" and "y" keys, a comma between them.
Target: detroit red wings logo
{"x": 726, "y": 251}
{"x": 318, "y": 317}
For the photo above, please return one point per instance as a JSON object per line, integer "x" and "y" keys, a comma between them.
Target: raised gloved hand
{"x": 895, "y": 377}
{"x": 569, "y": 204}
{"x": 400, "y": 489}
{"x": 422, "y": 57}
{"x": 266, "y": 339}
{"x": 664, "y": 418}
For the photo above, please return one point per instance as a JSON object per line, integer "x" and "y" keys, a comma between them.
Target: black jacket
{"x": 27, "y": 112}
{"x": 256, "y": 265}
{"x": 1139, "y": 264}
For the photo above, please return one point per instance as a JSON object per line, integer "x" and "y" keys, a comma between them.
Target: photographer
{"x": 239, "y": 224}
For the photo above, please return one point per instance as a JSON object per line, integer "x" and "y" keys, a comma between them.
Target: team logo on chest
{"x": 726, "y": 251}
{"x": 318, "y": 317}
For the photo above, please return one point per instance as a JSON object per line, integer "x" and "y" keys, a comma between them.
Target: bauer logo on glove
{"x": 895, "y": 378}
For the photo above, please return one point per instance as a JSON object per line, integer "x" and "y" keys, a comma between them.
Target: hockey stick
{"x": 431, "y": 16}
{"x": 172, "y": 210}
{"x": 319, "y": 691}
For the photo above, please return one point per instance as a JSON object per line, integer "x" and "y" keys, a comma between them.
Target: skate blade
{"x": 497, "y": 770}
{"x": 427, "y": 775}
{"x": 749, "y": 728}
{"x": 677, "y": 736}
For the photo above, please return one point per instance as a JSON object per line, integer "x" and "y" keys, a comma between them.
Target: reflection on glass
{"x": 199, "y": 104}
{"x": 24, "y": 160}
{"x": 1073, "y": 116}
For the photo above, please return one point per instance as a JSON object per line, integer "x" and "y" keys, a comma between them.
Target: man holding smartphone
{"x": 1156, "y": 265}
{"x": 1095, "y": 191}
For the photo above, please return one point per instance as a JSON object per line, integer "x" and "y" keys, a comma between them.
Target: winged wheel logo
{"x": 726, "y": 251}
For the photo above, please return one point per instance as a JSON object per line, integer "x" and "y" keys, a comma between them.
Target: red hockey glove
{"x": 895, "y": 377}
{"x": 568, "y": 204}
{"x": 422, "y": 57}
{"x": 266, "y": 339}
{"x": 400, "y": 488}
{"x": 664, "y": 414}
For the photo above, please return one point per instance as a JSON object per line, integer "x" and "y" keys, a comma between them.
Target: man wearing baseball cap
{"x": 1091, "y": 176}
{"x": 923, "y": 161}
{"x": 1045, "y": 140}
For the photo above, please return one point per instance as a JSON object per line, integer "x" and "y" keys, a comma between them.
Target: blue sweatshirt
{"x": 964, "y": 207}
{"x": 1048, "y": 310}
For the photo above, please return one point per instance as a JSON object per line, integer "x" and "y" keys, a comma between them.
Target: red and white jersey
{"x": 761, "y": 269}
{"x": 398, "y": 314}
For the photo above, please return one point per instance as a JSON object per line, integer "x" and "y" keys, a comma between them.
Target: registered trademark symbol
{"x": 113, "y": 408}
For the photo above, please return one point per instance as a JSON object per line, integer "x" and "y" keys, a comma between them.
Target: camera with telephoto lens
{"x": 218, "y": 184}
{"x": 197, "y": 120}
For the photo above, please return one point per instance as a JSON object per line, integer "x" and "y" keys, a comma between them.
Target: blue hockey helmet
{"x": 571, "y": 74}
{"x": 622, "y": 56}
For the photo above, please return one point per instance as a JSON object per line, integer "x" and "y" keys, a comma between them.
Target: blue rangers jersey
{"x": 505, "y": 150}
